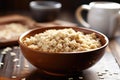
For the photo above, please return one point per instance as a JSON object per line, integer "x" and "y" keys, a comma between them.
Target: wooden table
{"x": 16, "y": 67}
{"x": 13, "y": 66}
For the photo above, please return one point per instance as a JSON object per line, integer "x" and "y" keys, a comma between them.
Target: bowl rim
{"x": 29, "y": 31}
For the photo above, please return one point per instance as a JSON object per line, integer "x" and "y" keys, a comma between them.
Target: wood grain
{"x": 106, "y": 68}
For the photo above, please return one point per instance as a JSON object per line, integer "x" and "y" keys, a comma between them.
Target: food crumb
{"x": 3, "y": 52}
{"x": 1, "y": 63}
{"x": 7, "y": 49}
{"x": 70, "y": 78}
{"x": 104, "y": 73}
{"x": 26, "y": 66}
{"x": 80, "y": 77}
{"x": 115, "y": 73}
{"x": 16, "y": 59}
{"x": 101, "y": 77}
{"x": 100, "y": 74}
{"x": 14, "y": 77}
{"x": 17, "y": 66}
{"x": 12, "y": 53}
{"x": 106, "y": 70}
{"x": 15, "y": 47}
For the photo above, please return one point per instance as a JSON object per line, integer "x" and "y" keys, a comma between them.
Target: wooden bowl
{"x": 64, "y": 63}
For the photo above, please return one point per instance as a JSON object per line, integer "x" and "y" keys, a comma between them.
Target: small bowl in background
{"x": 63, "y": 63}
{"x": 44, "y": 11}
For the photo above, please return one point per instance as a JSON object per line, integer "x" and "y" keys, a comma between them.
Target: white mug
{"x": 102, "y": 16}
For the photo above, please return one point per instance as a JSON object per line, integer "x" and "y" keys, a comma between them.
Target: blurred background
{"x": 22, "y": 6}
{"x": 18, "y": 5}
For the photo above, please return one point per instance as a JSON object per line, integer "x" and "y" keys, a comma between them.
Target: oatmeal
{"x": 63, "y": 40}
{"x": 11, "y": 31}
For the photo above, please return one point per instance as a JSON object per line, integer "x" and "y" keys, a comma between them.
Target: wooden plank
{"x": 115, "y": 49}
{"x": 106, "y": 69}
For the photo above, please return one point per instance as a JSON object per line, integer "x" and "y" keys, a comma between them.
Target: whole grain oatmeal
{"x": 12, "y": 31}
{"x": 63, "y": 40}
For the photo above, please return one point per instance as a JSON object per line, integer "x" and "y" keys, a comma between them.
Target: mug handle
{"x": 79, "y": 17}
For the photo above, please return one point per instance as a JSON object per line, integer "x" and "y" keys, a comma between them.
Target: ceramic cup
{"x": 101, "y": 16}
{"x": 44, "y": 11}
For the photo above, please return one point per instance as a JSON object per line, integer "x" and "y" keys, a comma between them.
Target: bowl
{"x": 45, "y": 11}
{"x": 63, "y": 63}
